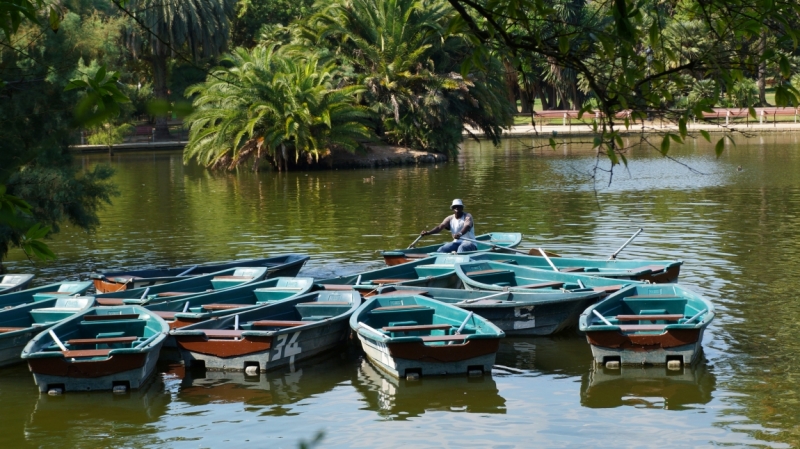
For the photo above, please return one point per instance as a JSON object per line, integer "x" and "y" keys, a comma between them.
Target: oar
{"x": 614, "y": 256}
{"x": 188, "y": 271}
{"x": 541, "y": 251}
{"x": 414, "y": 242}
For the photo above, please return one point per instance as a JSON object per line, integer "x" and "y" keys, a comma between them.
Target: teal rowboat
{"x": 113, "y": 281}
{"x": 183, "y": 288}
{"x": 10, "y": 283}
{"x": 492, "y": 239}
{"x": 515, "y": 313}
{"x": 103, "y": 348}
{"x": 49, "y": 291}
{"x": 270, "y": 336}
{"x": 18, "y": 325}
{"x": 437, "y": 271}
{"x": 185, "y": 311}
{"x": 498, "y": 276}
{"x": 411, "y": 335}
{"x": 655, "y": 271}
{"x": 647, "y": 324}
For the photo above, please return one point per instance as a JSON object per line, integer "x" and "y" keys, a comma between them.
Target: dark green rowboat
{"x": 492, "y": 239}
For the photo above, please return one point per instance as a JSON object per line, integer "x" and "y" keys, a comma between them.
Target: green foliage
{"x": 110, "y": 134}
{"x": 102, "y": 100}
{"x": 254, "y": 17}
{"x": 642, "y": 56}
{"x": 264, "y": 103}
{"x": 744, "y": 94}
{"x": 408, "y": 54}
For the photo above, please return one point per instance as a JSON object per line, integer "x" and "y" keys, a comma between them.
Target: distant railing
{"x": 728, "y": 114}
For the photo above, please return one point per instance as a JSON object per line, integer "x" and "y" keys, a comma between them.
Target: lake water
{"x": 738, "y": 232}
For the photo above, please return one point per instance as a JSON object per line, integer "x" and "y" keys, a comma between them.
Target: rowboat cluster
{"x": 425, "y": 314}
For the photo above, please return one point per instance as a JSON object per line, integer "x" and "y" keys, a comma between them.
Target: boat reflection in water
{"x": 648, "y": 387}
{"x": 561, "y": 355}
{"x": 100, "y": 418}
{"x": 278, "y": 387}
{"x": 400, "y": 399}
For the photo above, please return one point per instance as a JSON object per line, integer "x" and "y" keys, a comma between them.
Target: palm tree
{"x": 410, "y": 62}
{"x": 266, "y": 104}
{"x": 189, "y": 29}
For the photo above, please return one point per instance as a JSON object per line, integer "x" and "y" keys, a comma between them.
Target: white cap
{"x": 456, "y": 202}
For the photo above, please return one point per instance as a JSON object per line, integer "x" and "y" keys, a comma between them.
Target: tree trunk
{"x": 512, "y": 83}
{"x": 762, "y": 71}
{"x": 160, "y": 92}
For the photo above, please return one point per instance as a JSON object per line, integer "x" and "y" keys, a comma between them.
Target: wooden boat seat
{"x": 92, "y": 341}
{"x": 54, "y": 293}
{"x": 223, "y": 278}
{"x": 652, "y": 297}
{"x": 542, "y": 285}
{"x": 407, "y": 293}
{"x": 123, "y": 316}
{"x": 389, "y": 308}
{"x": 336, "y": 287}
{"x": 86, "y": 353}
{"x": 324, "y": 303}
{"x": 642, "y": 327}
{"x": 278, "y": 323}
{"x": 416, "y": 255}
{"x": 390, "y": 280}
{"x": 224, "y": 306}
{"x": 668, "y": 317}
{"x": 11, "y": 329}
{"x": 109, "y": 301}
{"x": 480, "y": 272}
{"x": 222, "y": 333}
{"x": 608, "y": 288}
{"x": 571, "y": 269}
{"x": 419, "y": 327}
{"x": 433, "y": 338}
{"x": 168, "y": 294}
{"x": 165, "y": 315}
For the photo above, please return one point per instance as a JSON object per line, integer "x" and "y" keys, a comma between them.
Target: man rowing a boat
{"x": 460, "y": 224}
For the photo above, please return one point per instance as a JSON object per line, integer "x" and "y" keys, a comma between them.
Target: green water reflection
{"x": 737, "y": 231}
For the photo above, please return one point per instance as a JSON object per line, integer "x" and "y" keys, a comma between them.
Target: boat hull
{"x": 131, "y": 370}
{"x": 12, "y": 344}
{"x": 401, "y": 359}
{"x": 677, "y": 344}
{"x": 533, "y": 319}
{"x": 401, "y": 256}
{"x": 267, "y": 353}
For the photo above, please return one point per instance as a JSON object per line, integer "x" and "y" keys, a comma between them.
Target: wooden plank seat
{"x": 608, "y": 289}
{"x": 642, "y": 327}
{"x": 165, "y": 315}
{"x": 108, "y": 340}
{"x": 168, "y": 294}
{"x": 668, "y": 317}
{"x": 279, "y": 323}
{"x": 223, "y": 278}
{"x": 571, "y": 269}
{"x": 11, "y": 329}
{"x": 416, "y": 255}
{"x": 420, "y": 327}
{"x": 86, "y": 353}
{"x": 480, "y": 272}
{"x": 336, "y": 286}
{"x": 652, "y": 297}
{"x": 542, "y": 285}
{"x": 388, "y": 308}
{"x": 406, "y": 293}
{"x": 122, "y": 316}
{"x": 222, "y": 333}
{"x": 433, "y": 338}
{"x": 109, "y": 301}
{"x": 224, "y": 306}
{"x": 324, "y": 303}
{"x": 390, "y": 280}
